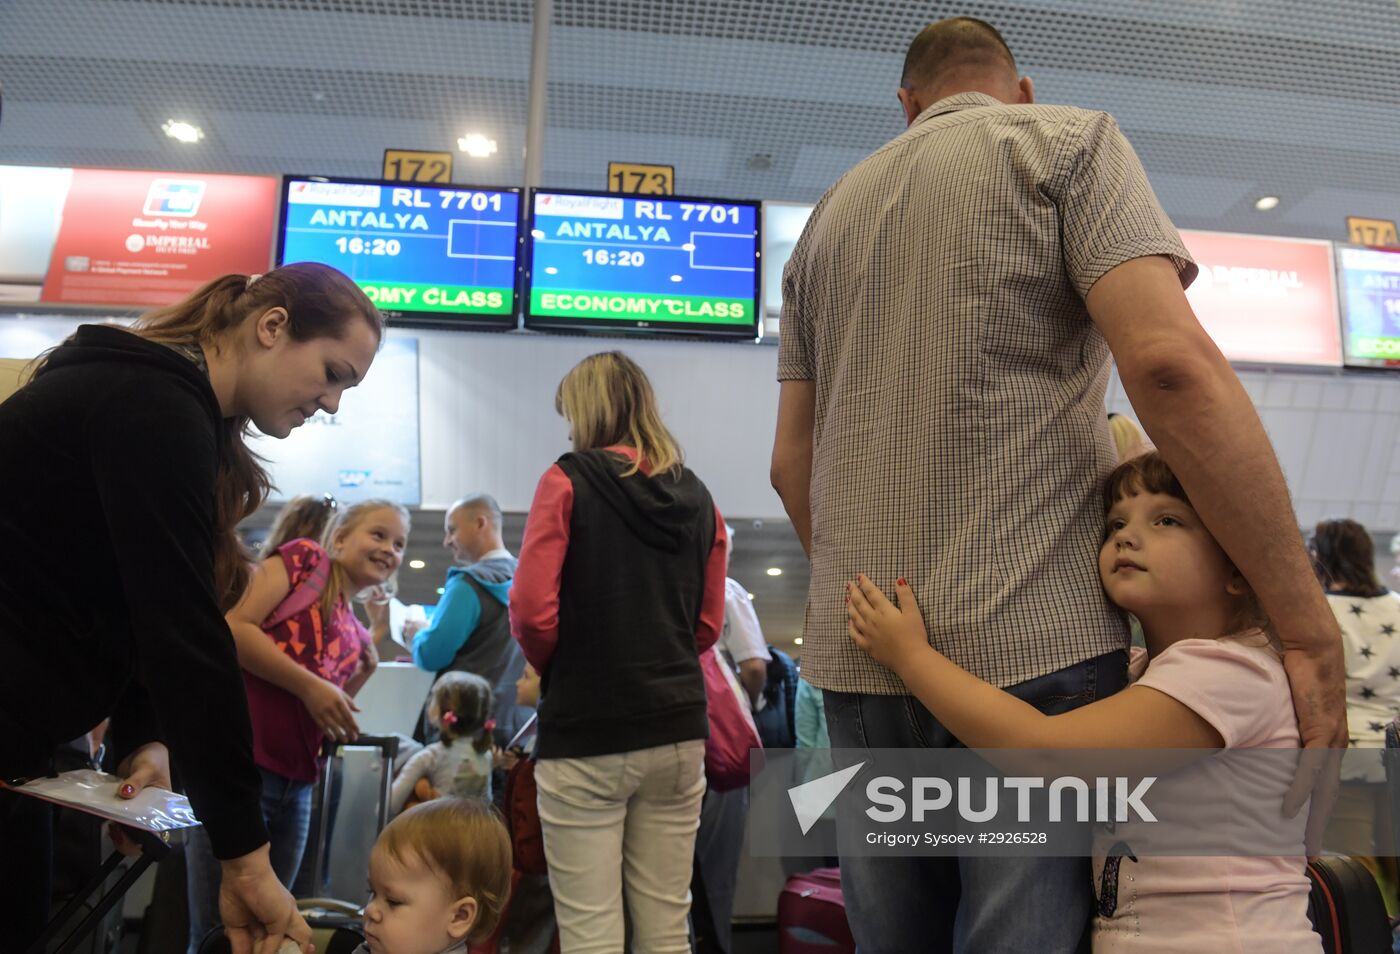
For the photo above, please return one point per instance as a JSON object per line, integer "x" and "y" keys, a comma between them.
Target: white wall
{"x": 489, "y": 421}
{"x": 1335, "y": 435}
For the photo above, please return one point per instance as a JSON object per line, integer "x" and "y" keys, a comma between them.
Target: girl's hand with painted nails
{"x": 894, "y": 636}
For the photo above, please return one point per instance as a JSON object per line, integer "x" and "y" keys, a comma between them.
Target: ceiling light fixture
{"x": 750, "y": 596}
{"x": 477, "y": 145}
{"x": 441, "y": 590}
{"x": 416, "y": 564}
{"x": 1266, "y": 202}
{"x": 775, "y": 571}
{"x": 797, "y": 641}
{"x": 181, "y": 131}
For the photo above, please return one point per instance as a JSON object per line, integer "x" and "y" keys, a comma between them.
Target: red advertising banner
{"x": 1267, "y": 300}
{"x": 150, "y": 238}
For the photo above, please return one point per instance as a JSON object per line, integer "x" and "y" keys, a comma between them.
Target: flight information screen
{"x": 643, "y": 263}
{"x": 446, "y": 254}
{"x": 1370, "y": 280}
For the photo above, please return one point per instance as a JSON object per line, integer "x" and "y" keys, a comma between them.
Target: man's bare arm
{"x": 791, "y": 471}
{"x": 1193, "y": 407}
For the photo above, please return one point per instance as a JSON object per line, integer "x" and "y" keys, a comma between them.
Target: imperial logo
{"x": 178, "y": 198}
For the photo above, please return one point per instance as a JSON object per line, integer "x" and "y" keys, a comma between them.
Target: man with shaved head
{"x": 470, "y": 629}
{"x": 948, "y": 320}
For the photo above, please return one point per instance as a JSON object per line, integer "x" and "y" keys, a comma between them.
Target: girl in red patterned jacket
{"x": 304, "y": 656}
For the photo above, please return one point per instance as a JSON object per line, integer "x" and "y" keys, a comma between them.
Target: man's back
{"x": 936, "y": 300}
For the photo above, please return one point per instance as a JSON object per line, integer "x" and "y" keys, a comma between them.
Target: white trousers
{"x": 620, "y": 826}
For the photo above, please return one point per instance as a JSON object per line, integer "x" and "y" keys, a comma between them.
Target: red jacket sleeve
{"x": 712, "y": 601}
{"x": 534, "y": 594}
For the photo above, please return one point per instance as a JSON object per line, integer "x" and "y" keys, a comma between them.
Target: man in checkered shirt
{"x": 948, "y": 319}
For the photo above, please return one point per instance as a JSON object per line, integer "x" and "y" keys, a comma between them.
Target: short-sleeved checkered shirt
{"x": 936, "y": 298}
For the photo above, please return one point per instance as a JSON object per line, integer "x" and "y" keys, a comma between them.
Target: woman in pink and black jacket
{"x": 620, "y": 587}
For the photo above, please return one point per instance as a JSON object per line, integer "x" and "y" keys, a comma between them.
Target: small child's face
{"x": 412, "y": 910}
{"x": 527, "y": 687}
{"x": 1157, "y": 555}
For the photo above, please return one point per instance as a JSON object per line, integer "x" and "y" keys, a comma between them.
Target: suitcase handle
{"x": 388, "y": 745}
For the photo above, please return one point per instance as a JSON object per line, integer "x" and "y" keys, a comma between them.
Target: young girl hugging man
{"x": 1210, "y": 678}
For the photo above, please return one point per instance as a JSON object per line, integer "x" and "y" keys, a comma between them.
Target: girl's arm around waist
{"x": 980, "y": 715}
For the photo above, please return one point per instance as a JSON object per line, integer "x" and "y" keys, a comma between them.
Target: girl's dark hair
{"x": 320, "y": 303}
{"x": 468, "y": 697}
{"x": 1144, "y": 474}
{"x": 1344, "y": 557}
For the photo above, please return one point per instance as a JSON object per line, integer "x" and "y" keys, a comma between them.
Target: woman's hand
{"x": 148, "y": 766}
{"x": 504, "y": 759}
{"x": 257, "y": 912}
{"x": 892, "y": 635}
{"x": 333, "y": 710}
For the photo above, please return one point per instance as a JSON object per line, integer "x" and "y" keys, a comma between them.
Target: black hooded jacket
{"x": 107, "y": 606}
{"x": 624, "y": 673}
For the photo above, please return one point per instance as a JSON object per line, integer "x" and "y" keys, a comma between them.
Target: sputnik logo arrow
{"x": 810, "y": 800}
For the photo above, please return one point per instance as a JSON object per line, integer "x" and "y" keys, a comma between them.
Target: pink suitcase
{"x": 812, "y": 915}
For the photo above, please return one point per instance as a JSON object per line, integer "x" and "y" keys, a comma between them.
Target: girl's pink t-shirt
{"x": 1171, "y": 904}
{"x": 286, "y": 740}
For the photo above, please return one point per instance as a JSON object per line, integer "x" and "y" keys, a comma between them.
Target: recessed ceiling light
{"x": 797, "y": 641}
{"x": 441, "y": 590}
{"x": 181, "y": 131}
{"x": 1266, "y": 202}
{"x": 775, "y": 571}
{"x": 416, "y": 564}
{"x": 477, "y": 145}
{"x": 750, "y": 596}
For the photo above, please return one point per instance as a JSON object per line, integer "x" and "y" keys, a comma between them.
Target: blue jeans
{"x": 972, "y": 905}
{"x": 286, "y": 808}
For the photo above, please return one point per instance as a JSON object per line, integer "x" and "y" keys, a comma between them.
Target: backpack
{"x": 521, "y": 808}
{"x": 303, "y": 596}
{"x": 777, "y": 721}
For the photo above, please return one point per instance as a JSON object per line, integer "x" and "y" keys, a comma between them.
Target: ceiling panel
{"x": 1224, "y": 99}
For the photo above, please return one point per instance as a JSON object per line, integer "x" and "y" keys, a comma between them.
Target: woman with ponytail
{"x": 124, "y": 474}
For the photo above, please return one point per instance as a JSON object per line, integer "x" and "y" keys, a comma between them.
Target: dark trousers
{"x": 975, "y": 904}
{"x": 26, "y": 868}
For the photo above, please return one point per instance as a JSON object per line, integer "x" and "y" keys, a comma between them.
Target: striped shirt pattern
{"x": 936, "y": 299}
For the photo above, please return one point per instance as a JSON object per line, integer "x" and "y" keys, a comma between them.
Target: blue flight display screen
{"x": 1370, "y": 287}
{"x": 441, "y": 252}
{"x": 659, "y": 263}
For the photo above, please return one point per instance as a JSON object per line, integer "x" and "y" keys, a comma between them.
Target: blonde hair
{"x": 608, "y": 400}
{"x": 338, "y": 582}
{"x": 302, "y": 518}
{"x": 464, "y": 841}
{"x": 468, "y": 697}
{"x": 1128, "y": 438}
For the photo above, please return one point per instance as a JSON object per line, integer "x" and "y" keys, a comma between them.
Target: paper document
{"x": 153, "y": 809}
{"x": 399, "y": 614}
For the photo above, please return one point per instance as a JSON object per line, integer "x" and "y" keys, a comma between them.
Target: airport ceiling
{"x": 1226, "y": 100}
